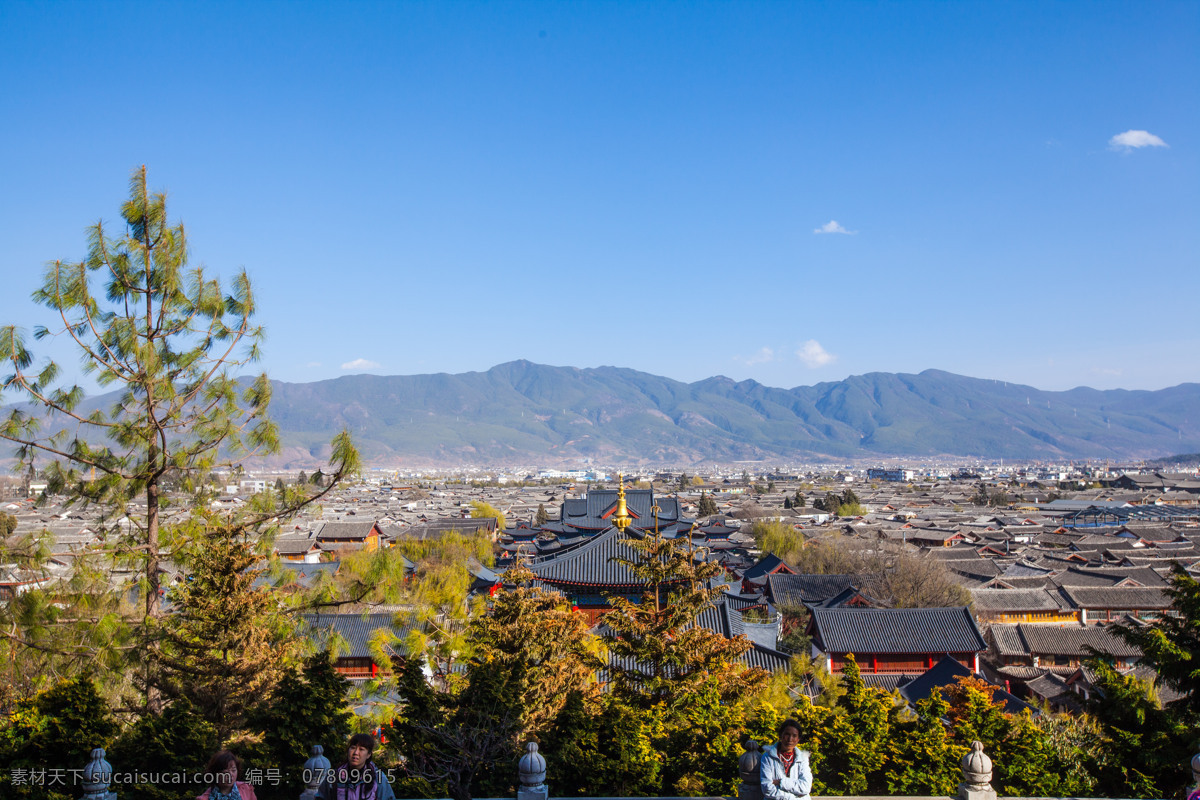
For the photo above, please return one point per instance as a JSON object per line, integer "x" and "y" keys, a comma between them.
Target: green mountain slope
{"x": 522, "y": 412}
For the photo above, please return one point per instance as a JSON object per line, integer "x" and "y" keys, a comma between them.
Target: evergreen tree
{"x": 65, "y": 722}
{"x": 307, "y": 707}
{"x": 798, "y": 499}
{"x": 1171, "y": 644}
{"x": 683, "y": 678}
{"x": 226, "y": 643}
{"x": 461, "y": 744}
{"x": 1146, "y": 745}
{"x": 603, "y": 751}
{"x": 787, "y": 502}
{"x": 537, "y": 628}
{"x": 301, "y": 479}
{"x": 174, "y": 345}
{"x": 922, "y": 759}
{"x": 179, "y": 741}
{"x": 855, "y": 754}
{"x": 707, "y": 506}
{"x": 542, "y": 517}
{"x": 663, "y": 655}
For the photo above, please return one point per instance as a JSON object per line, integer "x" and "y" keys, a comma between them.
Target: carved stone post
{"x": 97, "y": 777}
{"x": 531, "y": 770}
{"x": 977, "y": 775}
{"x": 316, "y": 770}
{"x": 750, "y": 788}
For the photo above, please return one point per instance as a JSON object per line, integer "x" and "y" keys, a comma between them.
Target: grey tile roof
{"x": 356, "y": 629}
{"x": 1057, "y": 640}
{"x": 896, "y": 630}
{"x": 945, "y": 673}
{"x": 589, "y": 512}
{"x": 796, "y": 590}
{"x": 342, "y": 531}
{"x": 592, "y": 563}
{"x": 1015, "y": 600}
{"x": 1118, "y": 598}
{"x": 1108, "y": 576}
{"x": 766, "y": 566}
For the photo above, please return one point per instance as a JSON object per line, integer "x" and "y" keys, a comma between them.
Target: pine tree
{"x": 540, "y": 630}
{"x": 542, "y": 517}
{"x": 173, "y": 343}
{"x": 707, "y": 506}
{"x": 855, "y": 754}
{"x": 64, "y": 722}
{"x": 664, "y": 655}
{"x": 798, "y": 500}
{"x": 603, "y": 751}
{"x": 226, "y": 644}
{"x": 177, "y": 742}
{"x": 307, "y": 707}
{"x": 922, "y": 759}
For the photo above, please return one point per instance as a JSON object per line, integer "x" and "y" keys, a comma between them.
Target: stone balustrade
{"x": 531, "y": 773}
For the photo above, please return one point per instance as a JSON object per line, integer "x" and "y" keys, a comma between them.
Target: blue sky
{"x": 428, "y": 187}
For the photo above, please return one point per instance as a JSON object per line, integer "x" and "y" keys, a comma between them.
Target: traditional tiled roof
{"x": 295, "y": 543}
{"x": 593, "y": 563}
{"x": 1055, "y": 640}
{"x": 945, "y": 673}
{"x": 307, "y": 574}
{"x": 356, "y": 629}
{"x": 767, "y": 565}
{"x": 1108, "y": 576}
{"x": 594, "y": 511}
{"x": 345, "y": 531}
{"x": 797, "y": 590}
{"x": 766, "y": 658}
{"x": 1001, "y": 601}
{"x": 1119, "y": 598}
{"x": 437, "y": 528}
{"x": 896, "y": 630}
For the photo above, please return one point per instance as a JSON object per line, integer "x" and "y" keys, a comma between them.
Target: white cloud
{"x": 360, "y": 363}
{"x": 1132, "y": 139}
{"x": 813, "y": 355}
{"x": 833, "y": 226}
{"x": 761, "y": 357}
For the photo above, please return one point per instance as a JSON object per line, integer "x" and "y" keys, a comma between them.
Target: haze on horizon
{"x": 790, "y": 193}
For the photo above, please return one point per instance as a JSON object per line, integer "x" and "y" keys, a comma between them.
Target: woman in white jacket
{"x": 783, "y": 769}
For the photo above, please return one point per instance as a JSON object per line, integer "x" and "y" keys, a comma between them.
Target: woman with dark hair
{"x": 358, "y": 778}
{"x": 221, "y": 774}
{"x": 783, "y": 769}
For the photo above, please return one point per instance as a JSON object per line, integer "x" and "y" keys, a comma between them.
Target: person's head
{"x": 361, "y": 746}
{"x": 224, "y": 767}
{"x": 789, "y": 735}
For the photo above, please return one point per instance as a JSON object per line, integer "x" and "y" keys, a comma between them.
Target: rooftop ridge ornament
{"x": 621, "y": 518}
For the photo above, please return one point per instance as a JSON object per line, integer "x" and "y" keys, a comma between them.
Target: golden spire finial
{"x": 621, "y": 518}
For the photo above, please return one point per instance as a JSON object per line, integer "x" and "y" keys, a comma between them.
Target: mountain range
{"x": 526, "y": 413}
